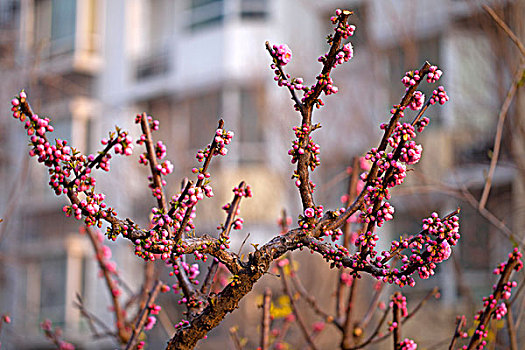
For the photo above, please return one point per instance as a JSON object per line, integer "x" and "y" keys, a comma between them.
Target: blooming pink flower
{"x": 309, "y": 212}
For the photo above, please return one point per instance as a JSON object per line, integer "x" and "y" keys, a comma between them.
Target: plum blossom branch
{"x": 501, "y": 291}
{"x": 166, "y": 236}
{"x": 397, "y": 112}
{"x": 460, "y": 323}
{"x": 232, "y": 211}
{"x": 304, "y": 152}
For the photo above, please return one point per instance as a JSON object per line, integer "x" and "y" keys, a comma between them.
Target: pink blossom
{"x": 309, "y": 212}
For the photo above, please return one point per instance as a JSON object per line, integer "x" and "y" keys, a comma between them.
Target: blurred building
{"x": 92, "y": 64}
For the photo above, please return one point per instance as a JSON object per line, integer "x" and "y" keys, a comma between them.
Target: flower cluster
{"x": 345, "y": 54}
{"x": 428, "y": 248}
{"x": 124, "y": 143}
{"x": 69, "y": 170}
{"x": 403, "y": 132}
{"x": 305, "y": 143}
{"x": 282, "y": 54}
{"x": 434, "y": 74}
{"x": 401, "y": 301}
{"x": 408, "y": 344}
{"x": 502, "y": 290}
{"x": 243, "y": 191}
{"x": 345, "y": 29}
{"x": 221, "y": 140}
{"x": 411, "y": 153}
{"x": 309, "y": 216}
{"x": 54, "y": 335}
{"x": 150, "y": 323}
{"x": 417, "y": 101}
{"x": 421, "y": 124}
{"x": 160, "y": 150}
{"x": 411, "y": 78}
{"x": 439, "y": 96}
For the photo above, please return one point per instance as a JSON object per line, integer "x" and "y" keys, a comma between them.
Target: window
{"x": 470, "y": 53}
{"x": 55, "y": 26}
{"x": 154, "y": 57}
{"x": 250, "y": 127}
{"x": 8, "y": 13}
{"x": 251, "y": 132}
{"x": 410, "y": 55}
{"x": 205, "y": 13}
{"x": 53, "y": 289}
{"x": 63, "y": 25}
{"x": 203, "y": 113}
{"x": 254, "y": 9}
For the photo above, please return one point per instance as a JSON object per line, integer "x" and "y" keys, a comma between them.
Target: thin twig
{"x": 351, "y": 191}
{"x": 372, "y": 174}
{"x": 313, "y": 303}
{"x": 374, "y": 333}
{"x": 499, "y": 132}
{"x": 396, "y": 322}
{"x": 141, "y": 321}
{"x": 295, "y": 310}
{"x": 347, "y": 326}
{"x": 511, "y": 329}
{"x": 460, "y": 323}
{"x": 373, "y": 304}
{"x": 265, "y": 320}
{"x": 225, "y": 234}
{"x": 235, "y": 338}
{"x": 92, "y": 319}
{"x": 409, "y": 315}
{"x": 506, "y": 29}
{"x": 120, "y": 321}
{"x": 200, "y": 182}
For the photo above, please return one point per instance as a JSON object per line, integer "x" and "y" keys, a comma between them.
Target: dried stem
{"x": 499, "y": 133}
{"x": 347, "y": 326}
{"x": 141, "y": 321}
{"x": 235, "y": 338}
{"x": 92, "y": 319}
{"x": 460, "y": 323}
{"x": 266, "y": 320}
{"x": 373, "y": 304}
{"x": 374, "y": 333}
{"x": 506, "y": 29}
{"x": 352, "y": 189}
{"x": 313, "y": 302}
{"x": 511, "y": 329}
{"x": 123, "y": 333}
{"x": 295, "y": 310}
